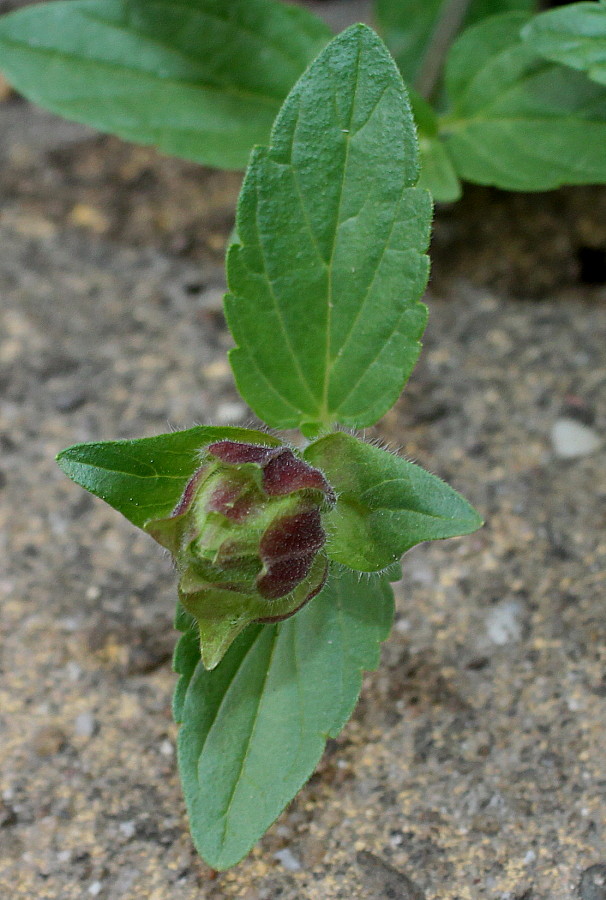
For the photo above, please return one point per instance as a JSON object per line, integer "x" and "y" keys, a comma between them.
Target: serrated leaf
{"x": 574, "y": 35}
{"x": 385, "y": 504}
{"x": 144, "y": 479}
{"x": 325, "y": 284}
{"x": 410, "y": 27}
{"x": 255, "y": 727}
{"x": 201, "y": 79}
{"x": 517, "y": 121}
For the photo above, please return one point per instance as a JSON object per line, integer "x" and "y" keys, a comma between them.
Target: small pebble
{"x": 95, "y": 888}
{"x": 85, "y": 725}
{"x": 69, "y": 401}
{"x": 593, "y": 883}
{"x": 503, "y": 623}
{"x": 571, "y": 439}
{"x": 288, "y": 860}
{"x": 48, "y": 740}
{"x": 127, "y": 828}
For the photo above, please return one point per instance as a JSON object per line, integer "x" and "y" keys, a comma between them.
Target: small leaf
{"x": 437, "y": 171}
{"x": 574, "y": 35}
{"x": 409, "y": 27}
{"x": 144, "y": 479}
{"x": 325, "y": 285}
{"x": 517, "y": 121}
{"x": 438, "y": 174}
{"x": 201, "y": 79}
{"x": 255, "y": 727}
{"x": 385, "y": 504}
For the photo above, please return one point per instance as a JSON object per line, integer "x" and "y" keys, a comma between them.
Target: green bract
{"x": 269, "y": 541}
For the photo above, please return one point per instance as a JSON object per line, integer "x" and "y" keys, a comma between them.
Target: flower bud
{"x": 247, "y": 538}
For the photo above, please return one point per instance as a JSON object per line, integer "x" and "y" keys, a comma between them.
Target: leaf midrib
{"x": 325, "y": 416}
{"x": 256, "y": 38}
{"x": 236, "y": 782}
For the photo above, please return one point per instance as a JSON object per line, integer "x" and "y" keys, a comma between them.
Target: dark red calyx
{"x": 287, "y": 550}
{"x": 286, "y": 473}
{"x": 283, "y": 472}
{"x": 235, "y": 453}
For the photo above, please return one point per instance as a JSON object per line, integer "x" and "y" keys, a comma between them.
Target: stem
{"x": 447, "y": 26}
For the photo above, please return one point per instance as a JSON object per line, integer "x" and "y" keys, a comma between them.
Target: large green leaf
{"x": 517, "y": 121}
{"x": 325, "y": 284}
{"x": 411, "y": 28}
{"x": 145, "y": 478}
{"x": 574, "y": 35}
{"x": 254, "y": 728}
{"x": 201, "y": 79}
{"x": 385, "y": 504}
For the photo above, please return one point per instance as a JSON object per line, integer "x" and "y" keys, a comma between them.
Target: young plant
{"x": 501, "y": 95}
{"x": 270, "y": 541}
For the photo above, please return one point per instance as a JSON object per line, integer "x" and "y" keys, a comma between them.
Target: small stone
{"x": 592, "y": 885}
{"x": 95, "y": 888}
{"x": 503, "y": 623}
{"x": 84, "y": 216}
{"x": 8, "y": 816}
{"x": 571, "y": 439}
{"x": 85, "y": 725}
{"x": 288, "y": 860}
{"x": 48, "y": 740}
{"x": 69, "y": 401}
{"x": 383, "y": 880}
{"x": 127, "y": 828}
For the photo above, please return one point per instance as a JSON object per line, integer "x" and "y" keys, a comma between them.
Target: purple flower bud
{"x": 248, "y": 539}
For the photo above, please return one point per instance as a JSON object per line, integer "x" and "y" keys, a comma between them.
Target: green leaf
{"x": 201, "y": 79}
{"x": 254, "y": 728}
{"x": 573, "y": 35}
{"x": 185, "y": 658}
{"x": 385, "y": 504}
{"x": 144, "y": 479}
{"x": 437, "y": 172}
{"x": 411, "y": 28}
{"x": 325, "y": 285}
{"x": 517, "y": 121}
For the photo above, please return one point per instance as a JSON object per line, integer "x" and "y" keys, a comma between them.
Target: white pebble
{"x": 127, "y": 828}
{"x": 503, "y": 622}
{"x": 288, "y": 860}
{"x": 95, "y": 888}
{"x": 166, "y": 748}
{"x": 85, "y": 725}
{"x": 571, "y": 439}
